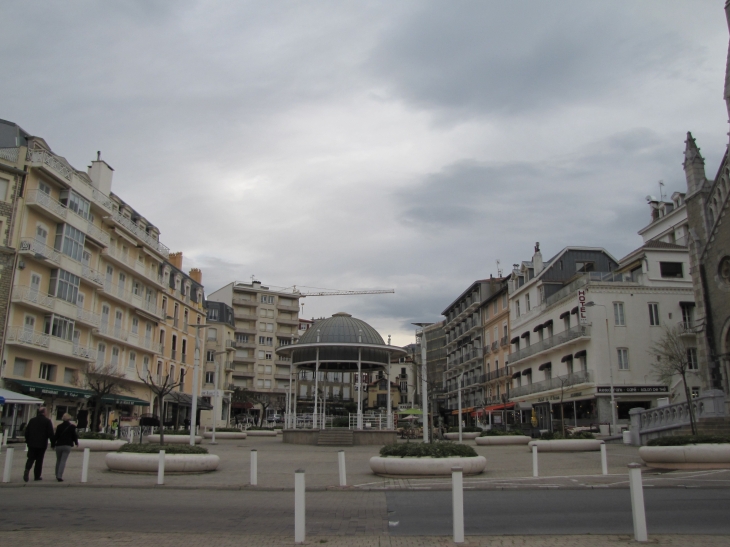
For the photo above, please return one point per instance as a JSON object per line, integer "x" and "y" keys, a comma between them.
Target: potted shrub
{"x": 144, "y": 458}
{"x": 499, "y": 437}
{"x": 467, "y": 432}
{"x": 687, "y": 452}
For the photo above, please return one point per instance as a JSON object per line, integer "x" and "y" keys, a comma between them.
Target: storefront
{"x": 15, "y": 411}
{"x": 59, "y": 400}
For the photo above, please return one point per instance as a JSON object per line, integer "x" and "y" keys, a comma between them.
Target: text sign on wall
{"x": 582, "y": 314}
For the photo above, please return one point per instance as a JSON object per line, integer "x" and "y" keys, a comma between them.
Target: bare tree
{"x": 161, "y": 384}
{"x": 266, "y": 400}
{"x": 102, "y": 380}
{"x": 673, "y": 359}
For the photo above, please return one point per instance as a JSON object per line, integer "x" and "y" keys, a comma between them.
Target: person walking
{"x": 37, "y": 434}
{"x": 62, "y": 441}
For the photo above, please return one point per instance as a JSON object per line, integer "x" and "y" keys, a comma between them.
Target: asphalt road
{"x": 669, "y": 511}
{"x": 414, "y": 513}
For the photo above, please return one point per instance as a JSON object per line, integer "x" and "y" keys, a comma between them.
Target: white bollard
{"x": 457, "y": 502}
{"x": 130, "y": 438}
{"x": 341, "y": 462}
{"x": 637, "y": 502}
{"x": 534, "y": 461}
{"x": 161, "y": 468}
{"x": 299, "y": 510}
{"x": 8, "y": 464}
{"x": 85, "y": 465}
{"x": 5, "y": 437}
{"x": 254, "y": 478}
{"x": 604, "y": 461}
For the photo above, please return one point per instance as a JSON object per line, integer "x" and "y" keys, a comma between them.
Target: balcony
{"x": 40, "y": 251}
{"x": 10, "y": 154}
{"x": 288, "y": 322}
{"x": 496, "y": 374}
{"x": 282, "y": 376}
{"x": 140, "y": 233}
{"x": 504, "y": 341}
{"x": 243, "y": 345}
{"x": 33, "y": 298}
{"x": 135, "y": 266}
{"x": 245, "y": 316}
{"x": 47, "y": 343}
{"x": 242, "y": 374}
{"x": 688, "y": 328}
{"x": 129, "y": 298}
{"x": 117, "y": 333}
{"x": 250, "y": 302}
{"x": 282, "y": 307}
{"x": 568, "y": 380}
{"x": 574, "y": 333}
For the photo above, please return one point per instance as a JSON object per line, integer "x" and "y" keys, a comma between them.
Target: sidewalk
{"x": 94, "y": 539}
{"x": 507, "y": 467}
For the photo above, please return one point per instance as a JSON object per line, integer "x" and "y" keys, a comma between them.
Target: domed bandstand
{"x": 340, "y": 343}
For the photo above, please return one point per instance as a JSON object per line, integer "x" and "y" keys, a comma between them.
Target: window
{"x": 262, "y": 353}
{"x": 268, "y": 369}
{"x": 266, "y": 299}
{"x": 43, "y": 187}
{"x": 695, "y": 392}
{"x": 145, "y": 367}
{"x": 504, "y": 301}
{"x": 692, "y": 359}
{"x": 268, "y": 356}
{"x": 210, "y": 356}
{"x": 70, "y": 241}
{"x": 4, "y": 188}
{"x": 47, "y": 372}
{"x": 115, "y": 356}
{"x": 541, "y": 294}
{"x": 212, "y": 334}
{"x": 269, "y": 327}
{"x": 583, "y": 267}
{"x": 213, "y": 314}
{"x": 69, "y": 376}
{"x": 688, "y": 316}
{"x": 59, "y": 326}
{"x": 135, "y": 325}
{"x": 267, "y": 383}
{"x": 242, "y": 338}
{"x": 527, "y": 302}
{"x": 653, "y": 314}
{"x": 623, "y": 358}
{"x": 618, "y": 314}
{"x": 20, "y": 367}
{"x": 517, "y": 308}
{"x": 259, "y": 383}
{"x": 132, "y": 365}
{"x": 64, "y": 285}
{"x": 671, "y": 269}
{"x": 209, "y": 377}
{"x": 136, "y": 288}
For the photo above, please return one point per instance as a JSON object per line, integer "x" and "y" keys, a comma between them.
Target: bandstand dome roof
{"x": 340, "y": 346}
{"x": 342, "y": 328}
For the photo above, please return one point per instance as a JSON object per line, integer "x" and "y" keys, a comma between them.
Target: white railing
{"x": 579, "y": 331}
{"x": 574, "y": 379}
{"x": 91, "y": 274}
{"x": 138, "y": 231}
{"x": 46, "y": 158}
{"x": 370, "y": 421}
{"x": 115, "y": 332}
{"x": 47, "y": 202}
{"x": 27, "y": 336}
{"x": 33, "y": 296}
{"x": 88, "y": 317}
{"x": 30, "y": 245}
{"x": 9, "y": 154}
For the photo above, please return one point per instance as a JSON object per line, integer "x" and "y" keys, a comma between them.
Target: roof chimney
{"x": 537, "y": 259}
{"x": 176, "y": 260}
{"x": 196, "y": 275}
{"x": 101, "y": 173}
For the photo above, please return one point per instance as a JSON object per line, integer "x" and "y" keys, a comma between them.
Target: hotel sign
{"x": 633, "y": 389}
{"x": 582, "y": 314}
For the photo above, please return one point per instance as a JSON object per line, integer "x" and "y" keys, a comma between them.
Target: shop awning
{"x": 11, "y": 397}
{"x": 544, "y": 366}
{"x": 580, "y": 353}
{"x": 503, "y": 406}
{"x": 463, "y": 411}
{"x": 537, "y": 328}
{"x": 411, "y": 411}
{"x": 564, "y": 315}
{"x": 183, "y": 399}
{"x": 123, "y": 400}
{"x": 516, "y": 375}
{"x": 38, "y": 389}
{"x": 568, "y": 357}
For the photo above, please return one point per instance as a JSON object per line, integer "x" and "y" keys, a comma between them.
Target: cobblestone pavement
{"x": 507, "y": 467}
{"x": 127, "y": 539}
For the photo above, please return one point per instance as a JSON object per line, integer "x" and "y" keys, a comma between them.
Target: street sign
{"x": 211, "y": 393}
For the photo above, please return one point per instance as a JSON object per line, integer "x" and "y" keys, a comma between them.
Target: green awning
{"x": 411, "y": 411}
{"x": 39, "y": 390}
{"x": 123, "y": 400}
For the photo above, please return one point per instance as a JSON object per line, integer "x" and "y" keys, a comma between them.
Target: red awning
{"x": 507, "y": 406}
{"x": 242, "y": 405}
{"x": 477, "y": 412}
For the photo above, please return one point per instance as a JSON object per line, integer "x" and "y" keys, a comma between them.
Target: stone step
{"x": 335, "y": 437}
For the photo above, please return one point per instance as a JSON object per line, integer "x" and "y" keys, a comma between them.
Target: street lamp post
{"x": 196, "y": 372}
{"x": 461, "y": 376}
{"x": 424, "y": 383}
{"x": 216, "y": 381}
{"x": 610, "y": 366}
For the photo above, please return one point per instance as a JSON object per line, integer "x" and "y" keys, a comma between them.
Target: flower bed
{"x": 434, "y": 459}
{"x": 174, "y": 439}
{"x": 567, "y": 445}
{"x": 223, "y": 435}
{"x": 687, "y": 452}
{"x": 99, "y": 445}
{"x": 145, "y": 458}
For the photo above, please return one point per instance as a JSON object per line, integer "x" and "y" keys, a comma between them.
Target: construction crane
{"x": 335, "y": 292}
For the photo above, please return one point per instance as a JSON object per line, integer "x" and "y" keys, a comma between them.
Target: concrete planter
{"x": 99, "y": 445}
{"x": 691, "y": 456}
{"x": 503, "y": 440}
{"x": 174, "y": 439}
{"x": 465, "y": 436}
{"x": 174, "y": 463}
{"x": 426, "y": 467}
{"x": 261, "y": 433}
{"x": 567, "y": 445}
{"x": 223, "y": 435}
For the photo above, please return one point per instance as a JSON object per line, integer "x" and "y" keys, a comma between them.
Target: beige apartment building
{"x": 88, "y": 284}
{"x": 495, "y": 319}
{"x": 218, "y": 368}
{"x": 265, "y": 319}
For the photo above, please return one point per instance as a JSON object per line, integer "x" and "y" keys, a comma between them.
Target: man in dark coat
{"x": 37, "y": 434}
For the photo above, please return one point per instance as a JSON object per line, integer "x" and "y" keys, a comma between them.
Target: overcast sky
{"x": 348, "y": 145}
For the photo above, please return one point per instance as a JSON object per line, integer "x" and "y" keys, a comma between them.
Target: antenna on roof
{"x": 661, "y": 190}
{"x": 499, "y": 270}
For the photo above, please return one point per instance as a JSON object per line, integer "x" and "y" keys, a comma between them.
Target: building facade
{"x": 88, "y": 282}
{"x": 495, "y": 320}
{"x": 218, "y": 368}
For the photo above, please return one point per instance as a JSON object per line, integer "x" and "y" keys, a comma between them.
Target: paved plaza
{"x": 354, "y": 516}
